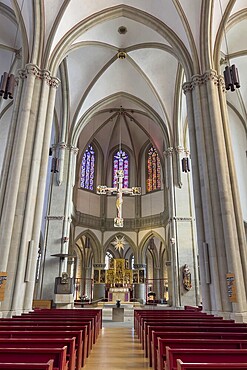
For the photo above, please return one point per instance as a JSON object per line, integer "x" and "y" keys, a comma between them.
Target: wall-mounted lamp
{"x": 7, "y": 86}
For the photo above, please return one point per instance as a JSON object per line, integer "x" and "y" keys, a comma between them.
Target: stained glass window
{"x": 121, "y": 162}
{"x": 153, "y": 170}
{"x": 88, "y": 168}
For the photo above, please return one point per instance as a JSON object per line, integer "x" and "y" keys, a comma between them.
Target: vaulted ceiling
{"x": 164, "y": 43}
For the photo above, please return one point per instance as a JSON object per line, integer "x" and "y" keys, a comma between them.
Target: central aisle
{"x": 117, "y": 348}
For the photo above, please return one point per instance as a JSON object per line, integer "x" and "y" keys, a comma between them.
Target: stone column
{"x": 140, "y": 287}
{"x": 157, "y": 282}
{"x": 88, "y": 282}
{"x": 53, "y": 82}
{"x": 58, "y": 225}
{"x": 176, "y": 302}
{"x": 218, "y": 229}
{"x": 13, "y": 178}
{"x": 20, "y": 196}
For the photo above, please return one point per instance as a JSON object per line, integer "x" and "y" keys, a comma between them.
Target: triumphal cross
{"x": 119, "y": 190}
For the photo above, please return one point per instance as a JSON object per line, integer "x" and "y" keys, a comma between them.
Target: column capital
{"x": 168, "y": 152}
{"x": 179, "y": 149}
{"x": 42, "y": 74}
{"x": 197, "y": 80}
{"x": 74, "y": 149}
{"x": 62, "y": 145}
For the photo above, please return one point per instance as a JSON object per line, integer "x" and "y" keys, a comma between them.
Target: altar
{"x": 121, "y": 294}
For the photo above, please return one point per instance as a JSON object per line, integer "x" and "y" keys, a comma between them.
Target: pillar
{"x": 140, "y": 287}
{"x": 175, "y": 294}
{"x": 19, "y": 249}
{"x": 218, "y": 212}
{"x": 58, "y": 222}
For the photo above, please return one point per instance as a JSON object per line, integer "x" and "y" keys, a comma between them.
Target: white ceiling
{"x": 161, "y": 34}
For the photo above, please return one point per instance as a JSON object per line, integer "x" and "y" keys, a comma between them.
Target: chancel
{"x": 123, "y": 94}
{"x": 119, "y": 280}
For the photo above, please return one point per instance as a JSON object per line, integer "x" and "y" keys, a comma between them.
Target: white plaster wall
{"x": 239, "y": 146}
{"x": 182, "y": 197}
{"x": 4, "y": 131}
{"x": 143, "y": 234}
{"x": 152, "y": 203}
{"x": 79, "y": 230}
{"x": 109, "y": 234}
{"x": 88, "y": 202}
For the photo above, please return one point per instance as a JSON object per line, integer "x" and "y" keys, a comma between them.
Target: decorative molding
{"x": 51, "y": 218}
{"x": 182, "y": 218}
{"x": 168, "y": 151}
{"x": 42, "y": 74}
{"x": 99, "y": 265}
{"x": 138, "y": 266}
{"x": 197, "y": 80}
{"x": 179, "y": 149}
{"x": 62, "y": 145}
{"x": 74, "y": 149}
{"x": 140, "y": 223}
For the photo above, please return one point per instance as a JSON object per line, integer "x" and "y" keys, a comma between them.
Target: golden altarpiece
{"x": 119, "y": 279}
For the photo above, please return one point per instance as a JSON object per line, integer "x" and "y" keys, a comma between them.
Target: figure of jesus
{"x": 102, "y": 189}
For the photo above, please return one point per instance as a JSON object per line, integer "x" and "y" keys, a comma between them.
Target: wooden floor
{"x": 117, "y": 348}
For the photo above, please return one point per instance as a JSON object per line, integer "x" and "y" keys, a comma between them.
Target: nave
{"x": 117, "y": 348}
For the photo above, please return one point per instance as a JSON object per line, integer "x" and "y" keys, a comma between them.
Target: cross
{"x": 102, "y": 189}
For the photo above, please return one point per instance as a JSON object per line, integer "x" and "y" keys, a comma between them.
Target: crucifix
{"x": 119, "y": 190}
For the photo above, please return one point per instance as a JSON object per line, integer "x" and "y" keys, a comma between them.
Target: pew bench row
{"x": 175, "y": 339}
{"x": 65, "y": 337}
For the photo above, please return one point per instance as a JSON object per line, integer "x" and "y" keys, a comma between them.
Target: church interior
{"x": 123, "y": 141}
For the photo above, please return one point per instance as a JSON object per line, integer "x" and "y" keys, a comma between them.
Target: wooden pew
{"x": 139, "y": 317}
{"x": 203, "y": 326}
{"x": 161, "y": 320}
{"x": 33, "y": 355}
{"x": 50, "y": 328}
{"x": 190, "y": 336}
{"x": 94, "y": 317}
{"x": 203, "y": 355}
{"x": 78, "y": 334}
{"x": 27, "y": 366}
{"x": 210, "y": 366}
{"x": 93, "y": 312}
{"x": 54, "y": 323}
{"x": 194, "y": 344}
{"x": 139, "y": 313}
{"x": 43, "y": 343}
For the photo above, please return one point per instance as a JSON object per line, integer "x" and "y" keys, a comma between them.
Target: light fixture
{"x": 54, "y": 164}
{"x": 7, "y": 85}
{"x": 185, "y": 164}
{"x": 231, "y": 72}
{"x": 231, "y": 77}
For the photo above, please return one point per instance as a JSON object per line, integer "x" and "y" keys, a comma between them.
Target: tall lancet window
{"x": 121, "y": 162}
{"x": 88, "y": 168}
{"x": 153, "y": 180}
